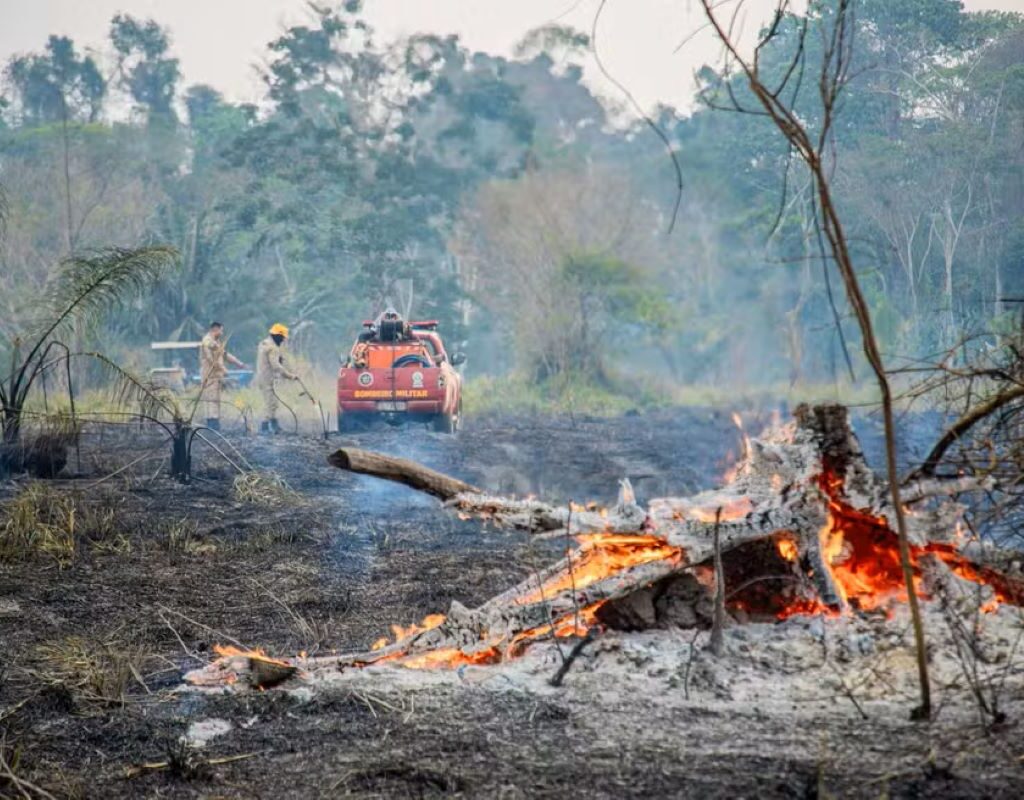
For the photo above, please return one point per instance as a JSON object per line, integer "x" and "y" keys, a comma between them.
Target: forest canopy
{"x": 502, "y": 196}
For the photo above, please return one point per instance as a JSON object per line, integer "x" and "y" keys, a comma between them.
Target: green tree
{"x": 56, "y": 85}
{"x": 145, "y": 69}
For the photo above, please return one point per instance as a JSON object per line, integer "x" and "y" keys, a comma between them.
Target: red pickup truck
{"x": 399, "y": 372}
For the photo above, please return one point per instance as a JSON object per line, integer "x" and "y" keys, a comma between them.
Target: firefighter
{"x": 212, "y": 370}
{"x": 269, "y": 367}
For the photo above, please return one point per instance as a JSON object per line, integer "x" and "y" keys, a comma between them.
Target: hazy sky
{"x": 220, "y": 41}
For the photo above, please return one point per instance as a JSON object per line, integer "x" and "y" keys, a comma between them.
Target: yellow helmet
{"x": 279, "y": 329}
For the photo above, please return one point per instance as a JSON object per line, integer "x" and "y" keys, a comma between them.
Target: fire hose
{"x": 316, "y": 404}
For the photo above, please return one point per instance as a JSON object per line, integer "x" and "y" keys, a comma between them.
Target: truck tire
{"x": 449, "y": 423}
{"x": 446, "y": 423}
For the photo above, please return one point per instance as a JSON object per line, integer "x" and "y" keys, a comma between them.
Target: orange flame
{"x": 230, "y": 651}
{"x": 600, "y": 556}
{"x": 448, "y": 658}
{"x": 859, "y": 550}
{"x": 402, "y": 632}
{"x": 787, "y": 548}
{"x": 862, "y": 553}
{"x": 734, "y": 509}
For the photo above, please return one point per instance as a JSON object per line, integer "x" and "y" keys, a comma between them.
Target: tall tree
{"x": 144, "y": 68}
{"x": 57, "y": 85}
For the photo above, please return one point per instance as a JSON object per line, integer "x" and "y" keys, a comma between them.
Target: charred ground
{"x": 92, "y": 650}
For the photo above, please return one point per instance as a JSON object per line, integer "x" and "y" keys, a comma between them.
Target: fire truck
{"x": 399, "y": 372}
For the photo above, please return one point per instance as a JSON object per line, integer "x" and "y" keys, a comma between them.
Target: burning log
{"x": 802, "y": 528}
{"x": 252, "y": 667}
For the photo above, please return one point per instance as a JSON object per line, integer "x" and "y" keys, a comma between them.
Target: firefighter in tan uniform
{"x": 212, "y": 369}
{"x": 269, "y": 367}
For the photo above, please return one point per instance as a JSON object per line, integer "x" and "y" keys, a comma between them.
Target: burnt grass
{"x": 92, "y": 651}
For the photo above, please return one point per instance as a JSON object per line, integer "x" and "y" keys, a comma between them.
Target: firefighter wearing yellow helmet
{"x": 269, "y": 368}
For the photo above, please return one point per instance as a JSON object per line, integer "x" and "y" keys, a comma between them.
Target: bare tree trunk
{"x": 69, "y": 223}
{"x": 718, "y": 625}
{"x": 835, "y": 62}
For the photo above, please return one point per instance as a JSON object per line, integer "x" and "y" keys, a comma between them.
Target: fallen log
{"x": 533, "y": 515}
{"x": 400, "y": 470}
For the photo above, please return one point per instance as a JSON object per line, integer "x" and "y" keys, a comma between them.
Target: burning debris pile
{"x": 801, "y": 529}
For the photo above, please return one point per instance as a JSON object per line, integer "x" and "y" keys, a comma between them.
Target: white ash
{"x": 200, "y": 733}
{"x": 798, "y": 667}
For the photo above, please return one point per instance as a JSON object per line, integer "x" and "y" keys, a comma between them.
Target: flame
{"x": 859, "y": 550}
{"x": 787, "y": 548}
{"x": 493, "y": 650}
{"x": 806, "y": 606}
{"x": 573, "y": 624}
{"x": 230, "y": 651}
{"x": 428, "y": 622}
{"x": 448, "y": 658}
{"x": 400, "y": 632}
{"x": 600, "y": 556}
{"x": 862, "y": 553}
{"x": 864, "y": 562}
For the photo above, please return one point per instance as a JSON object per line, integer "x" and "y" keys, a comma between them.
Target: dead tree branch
{"x": 837, "y": 34}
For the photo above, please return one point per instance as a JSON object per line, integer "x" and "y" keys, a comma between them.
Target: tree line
{"x": 502, "y": 196}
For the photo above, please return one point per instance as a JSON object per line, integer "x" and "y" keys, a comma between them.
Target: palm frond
{"x": 89, "y": 285}
{"x": 130, "y": 391}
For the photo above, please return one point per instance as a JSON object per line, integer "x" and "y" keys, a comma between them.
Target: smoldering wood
{"x": 776, "y": 491}
{"x": 266, "y": 674}
{"x": 792, "y": 482}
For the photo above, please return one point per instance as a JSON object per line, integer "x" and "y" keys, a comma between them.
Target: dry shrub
{"x": 42, "y": 450}
{"x": 182, "y": 536}
{"x": 266, "y": 489}
{"x": 185, "y": 763}
{"x": 39, "y": 521}
{"x": 42, "y": 520}
{"x": 95, "y": 672}
{"x": 267, "y": 537}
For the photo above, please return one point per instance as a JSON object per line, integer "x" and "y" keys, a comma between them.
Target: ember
{"x": 787, "y": 549}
